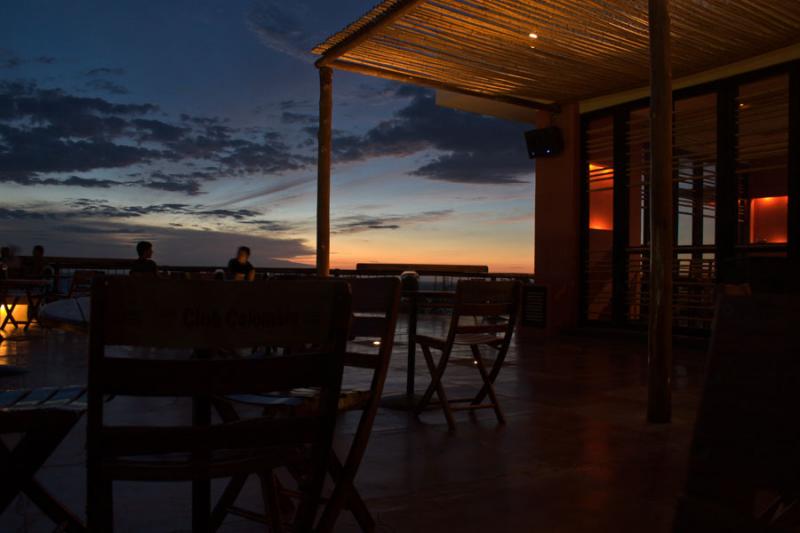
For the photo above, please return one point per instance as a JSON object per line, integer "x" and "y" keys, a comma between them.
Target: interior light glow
{"x": 533, "y": 35}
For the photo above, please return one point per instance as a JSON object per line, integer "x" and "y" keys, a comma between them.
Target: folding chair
{"x": 375, "y": 308}
{"x": 746, "y": 446}
{"x": 209, "y": 316}
{"x": 491, "y": 309}
{"x": 81, "y": 284}
{"x": 43, "y": 417}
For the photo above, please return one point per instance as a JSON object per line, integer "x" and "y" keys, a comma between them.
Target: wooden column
{"x": 659, "y": 399}
{"x": 324, "y": 171}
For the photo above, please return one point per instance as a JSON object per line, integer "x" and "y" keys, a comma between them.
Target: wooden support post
{"x": 794, "y": 161}
{"x": 659, "y": 400}
{"x": 324, "y": 171}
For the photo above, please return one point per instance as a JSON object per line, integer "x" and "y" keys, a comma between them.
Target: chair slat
{"x": 208, "y": 315}
{"x": 146, "y": 377}
{"x": 485, "y": 309}
{"x": 367, "y": 326}
{"x": 66, "y": 396}
{"x": 371, "y": 294}
{"x": 362, "y": 360}
{"x": 244, "y": 434}
{"x": 36, "y": 397}
{"x": 10, "y": 397}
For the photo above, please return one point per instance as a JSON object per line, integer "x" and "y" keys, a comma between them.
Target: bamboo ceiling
{"x": 584, "y": 49}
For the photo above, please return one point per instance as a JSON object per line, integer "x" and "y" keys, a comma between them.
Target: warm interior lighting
{"x": 533, "y": 35}
{"x": 20, "y": 314}
{"x": 601, "y": 198}
{"x": 768, "y": 218}
{"x": 376, "y": 343}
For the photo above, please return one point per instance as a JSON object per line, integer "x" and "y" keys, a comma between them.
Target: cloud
{"x": 361, "y": 223}
{"x": 48, "y": 131}
{"x": 278, "y": 25}
{"x": 9, "y": 60}
{"x": 288, "y": 117}
{"x": 104, "y": 71}
{"x": 469, "y": 148}
{"x": 90, "y": 208}
{"x": 77, "y": 237}
{"x": 106, "y": 86}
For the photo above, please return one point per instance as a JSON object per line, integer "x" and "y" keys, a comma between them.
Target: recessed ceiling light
{"x": 533, "y": 35}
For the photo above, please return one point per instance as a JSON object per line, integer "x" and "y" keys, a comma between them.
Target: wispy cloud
{"x": 361, "y": 223}
{"x": 279, "y": 26}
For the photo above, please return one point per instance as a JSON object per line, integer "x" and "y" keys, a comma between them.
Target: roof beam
{"x": 415, "y": 80}
{"x": 366, "y": 31}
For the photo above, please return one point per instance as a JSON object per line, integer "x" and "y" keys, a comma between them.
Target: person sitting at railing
{"x": 9, "y": 263}
{"x": 35, "y": 266}
{"x": 144, "y": 266}
{"x": 239, "y": 268}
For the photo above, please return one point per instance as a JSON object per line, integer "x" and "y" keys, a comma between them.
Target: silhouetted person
{"x": 9, "y": 264}
{"x": 239, "y": 268}
{"x": 144, "y": 266}
{"x": 35, "y": 267}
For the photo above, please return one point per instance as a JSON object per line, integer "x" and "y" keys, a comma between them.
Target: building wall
{"x": 557, "y": 212}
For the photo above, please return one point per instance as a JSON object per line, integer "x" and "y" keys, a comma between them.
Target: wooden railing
{"x": 442, "y": 277}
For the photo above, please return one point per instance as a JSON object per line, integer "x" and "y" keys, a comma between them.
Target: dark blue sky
{"x": 193, "y": 123}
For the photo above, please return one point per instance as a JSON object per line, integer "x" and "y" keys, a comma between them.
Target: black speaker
{"x": 544, "y": 142}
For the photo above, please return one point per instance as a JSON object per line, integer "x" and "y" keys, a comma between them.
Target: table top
{"x": 69, "y": 314}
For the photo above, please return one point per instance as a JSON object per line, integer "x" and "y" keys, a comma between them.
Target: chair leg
{"x": 436, "y": 384}
{"x": 99, "y": 504}
{"x": 228, "y": 498}
{"x": 59, "y": 514}
{"x": 431, "y": 389}
{"x": 272, "y": 508}
{"x": 496, "y": 366}
{"x": 344, "y": 495}
{"x": 487, "y": 383}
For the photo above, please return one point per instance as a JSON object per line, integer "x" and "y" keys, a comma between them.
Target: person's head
{"x": 145, "y": 250}
{"x": 243, "y": 254}
{"x": 5, "y": 252}
{"x": 38, "y": 251}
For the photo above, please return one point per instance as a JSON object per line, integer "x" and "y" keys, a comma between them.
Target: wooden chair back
{"x": 205, "y": 316}
{"x": 81, "y": 284}
{"x": 374, "y": 317}
{"x": 746, "y": 437}
{"x": 485, "y": 307}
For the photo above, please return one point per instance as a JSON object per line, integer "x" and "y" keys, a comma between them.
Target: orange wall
{"x": 768, "y": 218}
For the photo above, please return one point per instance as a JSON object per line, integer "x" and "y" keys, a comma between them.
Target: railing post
{"x": 659, "y": 400}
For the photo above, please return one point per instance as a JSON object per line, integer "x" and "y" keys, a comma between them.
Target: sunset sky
{"x": 193, "y": 124}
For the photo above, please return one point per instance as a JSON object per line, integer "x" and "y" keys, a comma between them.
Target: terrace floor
{"x": 575, "y": 456}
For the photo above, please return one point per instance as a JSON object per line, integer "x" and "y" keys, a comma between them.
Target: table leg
{"x": 201, "y": 489}
{"x": 10, "y": 312}
{"x": 407, "y": 401}
{"x": 412, "y": 348}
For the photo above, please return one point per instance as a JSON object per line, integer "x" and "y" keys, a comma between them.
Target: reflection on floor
{"x": 576, "y": 454}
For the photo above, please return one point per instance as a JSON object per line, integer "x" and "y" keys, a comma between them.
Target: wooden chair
{"x": 375, "y": 308}
{"x": 206, "y": 317}
{"x": 746, "y": 447}
{"x": 81, "y": 284}
{"x": 44, "y": 417}
{"x": 491, "y": 307}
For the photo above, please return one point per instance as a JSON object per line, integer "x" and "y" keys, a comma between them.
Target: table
{"x": 416, "y": 300}
{"x": 12, "y": 294}
{"x": 71, "y": 314}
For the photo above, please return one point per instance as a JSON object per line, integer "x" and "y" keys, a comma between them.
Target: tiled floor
{"x": 576, "y": 454}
